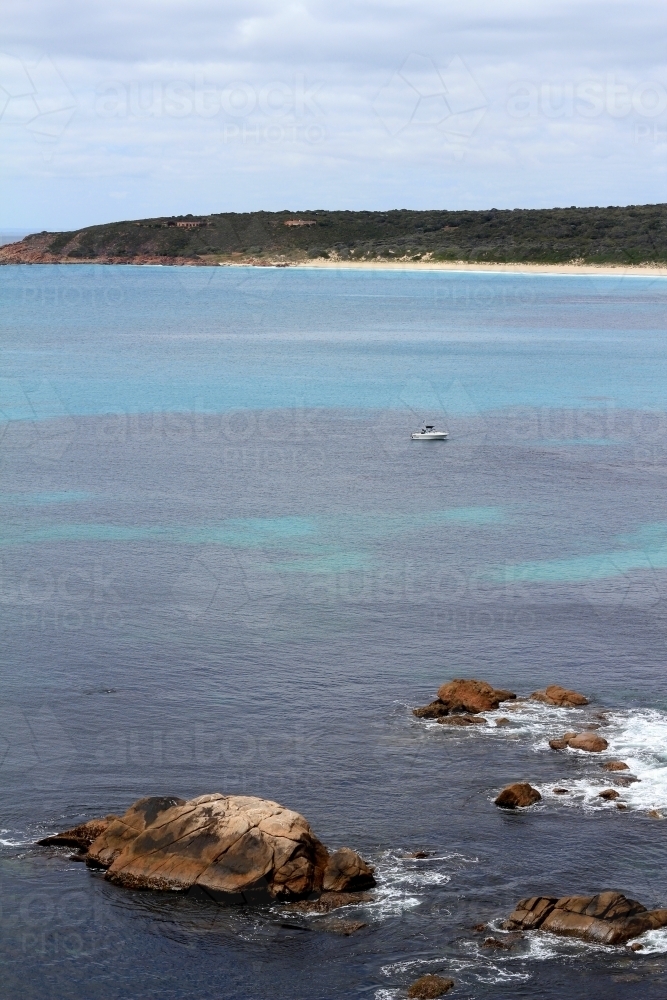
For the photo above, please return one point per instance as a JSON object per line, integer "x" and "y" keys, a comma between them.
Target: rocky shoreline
{"x": 243, "y": 849}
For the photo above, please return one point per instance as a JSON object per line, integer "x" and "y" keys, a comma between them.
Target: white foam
{"x": 11, "y": 841}
{"x": 636, "y": 736}
{"x": 652, "y": 942}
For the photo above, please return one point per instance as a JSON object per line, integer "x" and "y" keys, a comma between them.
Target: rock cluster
{"x": 464, "y": 697}
{"x": 606, "y": 918}
{"x": 228, "y": 847}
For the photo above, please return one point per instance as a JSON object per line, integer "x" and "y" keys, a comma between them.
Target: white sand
{"x": 617, "y": 271}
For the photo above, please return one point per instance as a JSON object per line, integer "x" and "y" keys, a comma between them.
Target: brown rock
{"x": 615, "y": 765}
{"x": 463, "y": 696}
{"x": 347, "y": 872}
{"x": 429, "y": 987}
{"x": 528, "y": 914}
{"x": 560, "y": 696}
{"x": 561, "y": 791}
{"x": 80, "y": 836}
{"x": 655, "y": 814}
{"x": 590, "y": 742}
{"x": 621, "y": 805}
{"x": 472, "y": 696}
{"x": 518, "y": 796}
{"x": 502, "y": 721}
{"x": 434, "y": 710}
{"x": 329, "y": 901}
{"x": 608, "y": 794}
{"x": 462, "y": 720}
{"x": 231, "y": 846}
{"x": 606, "y": 918}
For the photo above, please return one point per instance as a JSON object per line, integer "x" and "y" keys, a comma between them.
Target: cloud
{"x": 201, "y": 107}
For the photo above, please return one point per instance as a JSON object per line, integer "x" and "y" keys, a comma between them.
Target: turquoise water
{"x": 84, "y": 340}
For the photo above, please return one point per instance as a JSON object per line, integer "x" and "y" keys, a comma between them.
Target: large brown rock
{"x": 347, "y": 872}
{"x": 560, "y": 697}
{"x": 469, "y": 696}
{"x": 518, "y": 796}
{"x": 230, "y": 847}
{"x": 606, "y": 918}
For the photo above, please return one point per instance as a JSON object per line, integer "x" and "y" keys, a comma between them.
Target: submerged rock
{"x": 615, "y": 765}
{"x": 518, "y": 796}
{"x": 560, "y": 697}
{"x": 588, "y": 741}
{"x": 329, "y": 901}
{"x": 609, "y": 794}
{"x": 429, "y": 987}
{"x": 606, "y": 918}
{"x": 504, "y": 944}
{"x": 228, "y": 847}
{"x": 462, "y": 720}
{"x": 464, "y": 696}
{"x": 343, "y": 927}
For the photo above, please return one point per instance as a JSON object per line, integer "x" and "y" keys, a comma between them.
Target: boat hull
{"x": 430, "y": 436}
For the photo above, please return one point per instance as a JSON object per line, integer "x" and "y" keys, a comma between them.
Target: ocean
{"x": 226, "y": 567}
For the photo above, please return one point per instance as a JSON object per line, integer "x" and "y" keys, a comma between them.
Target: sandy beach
{"x": 615, "y": 270}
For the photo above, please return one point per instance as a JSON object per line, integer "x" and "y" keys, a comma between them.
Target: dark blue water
{"x": 225, "y": 567}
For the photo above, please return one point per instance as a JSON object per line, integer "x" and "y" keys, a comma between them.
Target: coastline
{"x": 36, "y": 252}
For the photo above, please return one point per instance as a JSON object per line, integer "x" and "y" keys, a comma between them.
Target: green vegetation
{"x": 632, "y": 235}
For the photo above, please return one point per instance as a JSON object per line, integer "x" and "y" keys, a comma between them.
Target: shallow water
{"x": 225, "y": 567}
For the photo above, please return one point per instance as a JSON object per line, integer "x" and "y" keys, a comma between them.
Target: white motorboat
{"x": 429, "y": 433}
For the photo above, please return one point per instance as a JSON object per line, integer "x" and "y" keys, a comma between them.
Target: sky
{"x": 139, "y": 108}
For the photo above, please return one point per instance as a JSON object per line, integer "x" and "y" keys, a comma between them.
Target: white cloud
{"x": 207, "y": 106}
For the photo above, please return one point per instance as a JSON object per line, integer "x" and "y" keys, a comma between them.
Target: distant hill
{"x": 633, "y": 235}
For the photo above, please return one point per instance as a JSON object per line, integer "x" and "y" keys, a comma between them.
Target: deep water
{"x": 226, "y": 567}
